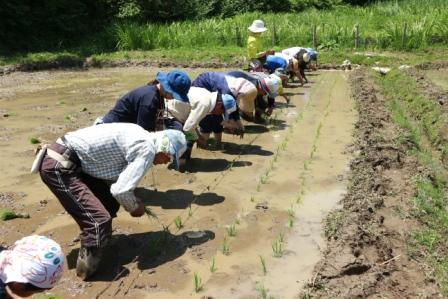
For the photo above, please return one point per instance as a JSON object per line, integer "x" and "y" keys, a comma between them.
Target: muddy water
{"x": 298, "y": 164}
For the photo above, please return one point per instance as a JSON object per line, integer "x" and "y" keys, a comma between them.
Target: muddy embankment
{"x": 367, "y": 255}
{"x": 92, "y": 63}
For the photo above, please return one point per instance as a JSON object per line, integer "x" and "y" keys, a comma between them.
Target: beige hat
{"x": 306, "y": 57}
{"x": 257, "y": 26}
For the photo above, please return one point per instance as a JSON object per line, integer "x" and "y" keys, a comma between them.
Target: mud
{"x": 300, "y": 163}
{"x": 367, "y": 255}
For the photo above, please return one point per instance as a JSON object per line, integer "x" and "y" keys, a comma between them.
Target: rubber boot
{"x": 88, "y": 261}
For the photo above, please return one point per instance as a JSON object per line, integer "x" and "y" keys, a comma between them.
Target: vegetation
{"x": 34, "y": 140}
{"x": 263, "y": 265}
{"x": 197, "y": 283}
{"x": 7, "y": 214}
{"x": 213, "y": 266}
{"x": 422, "y": 122}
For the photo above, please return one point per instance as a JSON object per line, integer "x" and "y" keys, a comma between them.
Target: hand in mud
{"x": 239, "y": 132}
{"x": 140, "y": 211}
{"x": 269, "y": 111}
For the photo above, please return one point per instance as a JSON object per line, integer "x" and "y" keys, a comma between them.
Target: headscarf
{"x": 37, "y": 260}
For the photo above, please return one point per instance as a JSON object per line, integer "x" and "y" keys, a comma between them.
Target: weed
{"x": 334, "y": 222}
{"x": 197, "y": 283}
{"x": 178, "y": 222}
{"x": 225, "y": 248}
{"x": 263, "y": 265}
{"x": 7, "y": 214}
{"x": 213, "y": 266}
{"x": 34, "y": 140}
{"x": 84, "y": 109}
{"x": 231, "y": 230}
{"x": 68, "y": 117}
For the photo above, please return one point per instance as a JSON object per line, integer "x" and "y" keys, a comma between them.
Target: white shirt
{"x": 292, "y": 51}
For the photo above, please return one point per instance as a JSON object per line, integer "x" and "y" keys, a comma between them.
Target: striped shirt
{"x": 118, "y": 152}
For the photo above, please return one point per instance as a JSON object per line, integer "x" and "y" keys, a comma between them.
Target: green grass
{"x": 421, "y": 121}
{"x": 34, "y": 140}
{"x": 381, "y": 26}
{"x": 7, "y": 214}
{"x": 45, "y": 296}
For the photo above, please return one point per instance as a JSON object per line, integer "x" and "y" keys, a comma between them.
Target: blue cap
{"x": 312, "y": 53}
{"x": 178, "y": 144}
{"x": 176, "y": 83}
{"x": 229, "y": 104}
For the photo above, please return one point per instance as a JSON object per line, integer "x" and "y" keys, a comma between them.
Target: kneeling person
{"x": 94, "y": 170}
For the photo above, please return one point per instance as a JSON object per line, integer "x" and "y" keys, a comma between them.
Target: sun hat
{"x": 35, "y": 259}
{"x": 229, "y": 104}
{"x": 279, "y": 80}
{"x": 270, "y": 86}
{"x": 306, "y": 57}
{"x": 176, "y": 83}
{"x": 173, "y": 142}
{"x": 257, "y": 26}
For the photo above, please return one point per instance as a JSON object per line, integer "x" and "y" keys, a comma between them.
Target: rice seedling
{"x": 263, "y": 179}
{"x": 262, "y": 291}
{"x": 237, "y": 221}
{"x": 291, "y": 222}
{"x": 231, "y": 230}
{"x": 291, "y": 211}
{"x": 190, "y": 211}
{"x": 263, "y": 265}
{"x": 197, "y": 283}
{"x": 225, "y": 248}
{"x": 258, "y": 187}
{"x": 178, "y": 222}
{"x": 213, "y": 266}
{"x": 34, "y": 140}
{"x": 277, "y": 248}
{"x": 252, "y": 199}
{"x": 60, "y": 102}
{"x": 150, "y": 213}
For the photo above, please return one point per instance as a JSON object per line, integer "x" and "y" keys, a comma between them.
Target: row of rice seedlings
{"x": 278, "y": 246}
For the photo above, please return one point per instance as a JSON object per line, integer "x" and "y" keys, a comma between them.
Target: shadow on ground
{"x": 149, "y": 250}
{"x": 212, "y": 165}
{"x": 177, "y": 199}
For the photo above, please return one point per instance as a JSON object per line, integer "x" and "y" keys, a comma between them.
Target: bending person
{"x": 92, "y": 171}
{"x": 32, "y": 265}
{"x": 144, "y": 105}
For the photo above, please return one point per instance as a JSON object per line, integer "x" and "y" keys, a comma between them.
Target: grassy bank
{"x": 422, "y": 122}
{"x": 411, "y": 24}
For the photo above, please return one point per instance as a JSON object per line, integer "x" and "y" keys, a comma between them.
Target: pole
{"x": 356, "y": 36}
{"x": 314, "y": 36}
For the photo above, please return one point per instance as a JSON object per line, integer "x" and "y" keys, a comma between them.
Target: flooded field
{"x": 257, "y": 204}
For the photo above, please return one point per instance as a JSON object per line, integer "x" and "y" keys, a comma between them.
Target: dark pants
{"x": 87, "y": 199}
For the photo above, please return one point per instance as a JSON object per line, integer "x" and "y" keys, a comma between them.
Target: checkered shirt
{"x": 119, "y": 152}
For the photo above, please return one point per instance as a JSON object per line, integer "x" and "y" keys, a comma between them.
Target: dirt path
{"x": 273, "y": 187}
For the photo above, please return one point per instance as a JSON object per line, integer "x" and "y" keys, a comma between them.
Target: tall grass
{"x": 381, "y": 26}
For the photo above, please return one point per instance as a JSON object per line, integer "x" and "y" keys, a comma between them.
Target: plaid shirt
{"x": 120, "y": 152}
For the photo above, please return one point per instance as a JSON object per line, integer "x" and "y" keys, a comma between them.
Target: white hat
{"x": 34, "y": 259}
{"x": 257, "y": 27}
{"x": 306, "y": 57}
{"x": 270, "y": 86}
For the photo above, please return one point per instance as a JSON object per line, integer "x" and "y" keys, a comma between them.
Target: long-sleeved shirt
{"x": 254, "y": 78}
{"x": 223, "y": 84}
{"x": 201, "y": 102}
{"x": 139, "y": 106}
{"x": 118, "y": 152}
{"x": 254, "y": 46}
